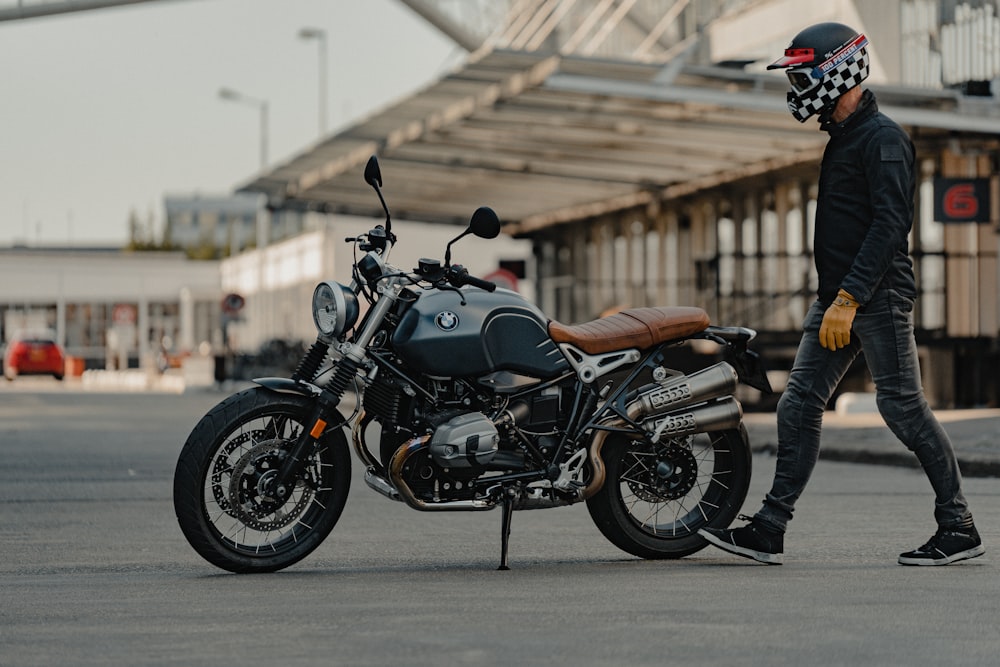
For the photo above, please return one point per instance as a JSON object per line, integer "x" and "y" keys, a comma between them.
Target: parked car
{"x": 33, "y": 354}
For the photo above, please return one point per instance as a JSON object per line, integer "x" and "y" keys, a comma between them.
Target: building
{"x": 212, "y": 225}
{"x": 650, "y": 160}
{"x": 647, "y": 157}
{"x": 107, "y": 307}
{"x": 116, "y": 309}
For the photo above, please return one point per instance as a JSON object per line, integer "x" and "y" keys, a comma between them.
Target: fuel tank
{"x": 498, "y": 331}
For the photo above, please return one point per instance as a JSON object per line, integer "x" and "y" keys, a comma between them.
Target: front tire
{"x": 222, "y": 471}
{"x": 656, "y": 498}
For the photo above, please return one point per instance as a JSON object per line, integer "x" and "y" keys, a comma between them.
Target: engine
{"x": 466, "y": 441}
{"x": 473, "y": 429}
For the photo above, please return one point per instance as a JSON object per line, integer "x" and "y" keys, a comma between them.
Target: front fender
{"x": 288, "y": 386}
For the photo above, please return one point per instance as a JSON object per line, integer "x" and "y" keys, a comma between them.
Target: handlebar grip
{"x": 458, "y": 276}
{"x": 480, "y": 283}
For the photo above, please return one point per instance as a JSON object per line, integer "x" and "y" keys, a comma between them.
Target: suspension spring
{"x": 310, "y": 363}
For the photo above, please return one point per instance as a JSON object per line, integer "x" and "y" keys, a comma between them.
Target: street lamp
{"x": 320, "y": 36}
{"x": 235, "y": 96}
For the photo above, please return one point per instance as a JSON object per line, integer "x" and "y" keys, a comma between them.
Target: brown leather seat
{"x": 635, "y": 327}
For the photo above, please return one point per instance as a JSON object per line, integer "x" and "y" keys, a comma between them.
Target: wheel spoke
{"x": 676, "y": 487}
{"x": 252, "y": 451}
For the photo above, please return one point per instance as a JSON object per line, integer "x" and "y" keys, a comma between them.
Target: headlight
{"x": 335, "y": 308}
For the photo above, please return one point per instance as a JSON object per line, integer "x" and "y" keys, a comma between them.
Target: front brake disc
{"x": 248, "y": 496}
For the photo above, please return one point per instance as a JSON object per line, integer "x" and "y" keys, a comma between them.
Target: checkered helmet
{"x": 823, "y": 62}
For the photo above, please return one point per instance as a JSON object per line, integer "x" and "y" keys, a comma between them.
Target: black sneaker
{"x": 751, "y": 541}
{"x": 947, "y": 546}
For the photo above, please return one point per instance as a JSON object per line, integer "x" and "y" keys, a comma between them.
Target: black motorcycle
{"x": 472, "y": 399}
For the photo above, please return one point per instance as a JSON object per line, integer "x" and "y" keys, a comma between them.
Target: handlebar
{"x": 458, "y": 276}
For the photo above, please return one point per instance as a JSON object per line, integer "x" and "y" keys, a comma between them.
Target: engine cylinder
{"x": 465, "y": 441}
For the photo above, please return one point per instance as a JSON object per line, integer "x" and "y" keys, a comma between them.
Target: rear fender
{"x": 748, "y": 364}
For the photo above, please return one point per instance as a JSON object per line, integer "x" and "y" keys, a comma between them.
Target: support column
{"x": 782, "y": 286}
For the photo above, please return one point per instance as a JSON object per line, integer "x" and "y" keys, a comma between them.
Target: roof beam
{"x": 52, "y": 7}
{"x": 684, "y": 189}
{"x": 416, "y": 129}
{"x": 938, "y": 119}
{"x": 458, "y": 33}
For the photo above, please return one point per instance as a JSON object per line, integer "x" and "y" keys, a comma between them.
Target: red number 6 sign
{"x": 961, "y": 199}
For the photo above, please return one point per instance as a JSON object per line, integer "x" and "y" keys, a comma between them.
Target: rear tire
{"x": 655, "y": 499}
{"x": 223, "y": 467}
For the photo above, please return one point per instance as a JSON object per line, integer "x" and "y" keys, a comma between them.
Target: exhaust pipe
{"x": 664, "y": 411}
{"x": 678, "y": 392}
{"x": 396, "y": 464}
{"x": 716, "y": 416}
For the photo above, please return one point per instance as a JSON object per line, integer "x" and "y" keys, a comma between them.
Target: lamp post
{"x": 235, "y": 96}
{"x": 320, "y": 36}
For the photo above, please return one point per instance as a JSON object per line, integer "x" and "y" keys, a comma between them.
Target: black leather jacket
{"x": 865, "y": 207}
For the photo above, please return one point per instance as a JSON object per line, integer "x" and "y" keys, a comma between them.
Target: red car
{"x": 31, "y": 354}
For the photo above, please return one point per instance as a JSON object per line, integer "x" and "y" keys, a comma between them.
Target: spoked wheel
{"x": 221, "y": 484}
{"x": 655, "y": 498}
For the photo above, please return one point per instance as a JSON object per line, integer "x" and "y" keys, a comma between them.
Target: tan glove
{"x": 835, "y": 332}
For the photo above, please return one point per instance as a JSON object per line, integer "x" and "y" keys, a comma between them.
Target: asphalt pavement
{"x": 95, "y": 571}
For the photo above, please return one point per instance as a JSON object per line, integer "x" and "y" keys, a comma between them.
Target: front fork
{"x": 326, "y": 404}
{"x": 329, "y": 398}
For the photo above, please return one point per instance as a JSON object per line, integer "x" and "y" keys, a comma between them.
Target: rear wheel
{"x": 221, "y": 483}
{"x": 655, "y": 498}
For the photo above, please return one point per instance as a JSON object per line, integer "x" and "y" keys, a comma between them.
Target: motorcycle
{"x": 468, "y": 398}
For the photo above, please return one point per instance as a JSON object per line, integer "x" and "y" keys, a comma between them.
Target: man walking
{"x": 865, "y": 300}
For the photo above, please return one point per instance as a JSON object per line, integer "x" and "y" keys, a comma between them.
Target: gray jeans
{"x": 884, "y": 332}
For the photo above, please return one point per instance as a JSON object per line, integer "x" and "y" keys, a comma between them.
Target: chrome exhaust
{"x": 718, "y": 415}
{"x": 677, "y": 392}
{"x": 396, "y": 464}
{"x": 378, "y": 483}
{"x": 676, "y": 407}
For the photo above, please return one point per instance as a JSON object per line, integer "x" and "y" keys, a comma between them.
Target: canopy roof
{"x": 545, "y": 139}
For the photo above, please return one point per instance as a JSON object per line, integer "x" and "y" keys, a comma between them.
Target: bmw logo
{"x": 446, "y": 321}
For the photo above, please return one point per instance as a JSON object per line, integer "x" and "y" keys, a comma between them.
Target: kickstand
{"x": 507, "y": 507}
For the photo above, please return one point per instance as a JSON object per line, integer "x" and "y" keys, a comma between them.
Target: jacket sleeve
{"x": 889, "y": 168}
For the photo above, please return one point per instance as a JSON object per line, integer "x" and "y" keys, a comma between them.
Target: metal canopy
{"x": 545, "y": 139}
{"x": 29, "y": 9}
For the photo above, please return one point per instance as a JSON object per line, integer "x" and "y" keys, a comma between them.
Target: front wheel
{"x": 222, "y": 475}
{"x": 655, "y": 498}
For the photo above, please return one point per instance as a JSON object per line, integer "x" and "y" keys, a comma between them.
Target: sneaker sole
{"x": 961, "y": 555}
{"x": 759, "y": 556}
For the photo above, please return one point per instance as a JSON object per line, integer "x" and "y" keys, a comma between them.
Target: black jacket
{"x": 864, "y": 210}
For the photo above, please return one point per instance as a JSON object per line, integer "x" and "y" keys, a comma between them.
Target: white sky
{"x": 104, "y": 112}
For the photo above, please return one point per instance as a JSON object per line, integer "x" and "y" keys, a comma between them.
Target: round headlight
{"x": 335, "y": 308}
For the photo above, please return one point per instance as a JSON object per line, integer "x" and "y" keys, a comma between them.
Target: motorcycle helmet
{"x": 822, "y": 62}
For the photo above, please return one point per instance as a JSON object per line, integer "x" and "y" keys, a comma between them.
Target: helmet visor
{"x": 802, "y": 80}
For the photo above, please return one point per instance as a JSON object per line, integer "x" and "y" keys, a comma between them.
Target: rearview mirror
{"x": 485, "y": 223}
{"x": 373, "y": 175}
